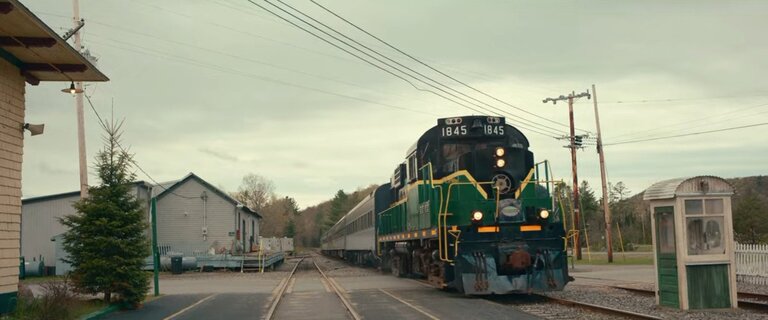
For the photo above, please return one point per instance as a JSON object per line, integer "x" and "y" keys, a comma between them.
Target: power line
{"x": 134, "y": 162}
{"x": 680, "y": 99}
{"x": 708, "y": 117}
{"x": 687, "y": 134}
{"x": 252, "y": 60}
{"x": 404, "y": 66}
{"x": 432, "y": 68}
{"x": 371, "y": 63}
{"x": 189, "y": 61}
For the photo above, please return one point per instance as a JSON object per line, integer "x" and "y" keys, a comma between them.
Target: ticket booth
{"x": 693, "y": 244}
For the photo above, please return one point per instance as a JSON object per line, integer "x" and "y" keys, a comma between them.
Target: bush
{"x": 56, "y": 303}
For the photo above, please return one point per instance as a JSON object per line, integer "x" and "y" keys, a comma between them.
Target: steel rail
{"x": 754, "y": 305}
{"x": 272, "y": 308}
{"x": 603, "y": 309}
{"x": 336, "y": 290}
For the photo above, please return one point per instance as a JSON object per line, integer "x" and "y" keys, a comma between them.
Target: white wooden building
{"x": 30, "y": 52}
{"x": 192, "y": 216}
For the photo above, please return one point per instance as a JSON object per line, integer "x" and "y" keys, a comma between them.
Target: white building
{"x": 30, "y": 52}
{"x": 192, "y": 216}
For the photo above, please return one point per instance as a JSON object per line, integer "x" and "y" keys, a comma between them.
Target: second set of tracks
{"x": 334, "y": 288}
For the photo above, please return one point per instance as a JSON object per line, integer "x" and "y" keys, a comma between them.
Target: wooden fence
{"x": 752, "y": 263}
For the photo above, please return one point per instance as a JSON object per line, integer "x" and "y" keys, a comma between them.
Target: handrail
{"x": 443, "y": 237}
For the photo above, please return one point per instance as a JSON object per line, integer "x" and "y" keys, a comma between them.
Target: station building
{"x": 30, "y": 52}
{"x": 193, "y": 217}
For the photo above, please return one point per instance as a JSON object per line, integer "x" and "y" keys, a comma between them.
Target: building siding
{"x": 180, "y": 219}
{"x": 11, "y": 151}
{"x": 40, "y": 224}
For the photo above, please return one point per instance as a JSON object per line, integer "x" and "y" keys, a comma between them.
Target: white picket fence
{"x": 752, "y": 263}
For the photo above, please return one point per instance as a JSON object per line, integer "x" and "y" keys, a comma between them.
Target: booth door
{"x": 666, "y": 261}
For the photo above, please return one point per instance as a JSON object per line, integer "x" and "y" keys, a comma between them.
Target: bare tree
{"x": 255, "y": 191}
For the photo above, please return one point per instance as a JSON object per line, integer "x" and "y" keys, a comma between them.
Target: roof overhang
{"x": 39, "y": 53}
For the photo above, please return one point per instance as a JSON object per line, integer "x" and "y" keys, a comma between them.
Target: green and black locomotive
{"x": 468, "y": 209}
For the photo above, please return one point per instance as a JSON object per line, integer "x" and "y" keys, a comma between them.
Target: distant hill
{"x": 749, "y": 205}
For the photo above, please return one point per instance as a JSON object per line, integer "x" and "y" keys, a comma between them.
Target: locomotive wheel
{"x": 396, "y": 271}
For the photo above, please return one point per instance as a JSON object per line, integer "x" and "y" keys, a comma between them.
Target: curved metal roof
{"x": 699, "y": 185}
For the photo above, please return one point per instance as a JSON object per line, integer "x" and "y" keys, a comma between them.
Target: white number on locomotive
{"x": 454, "y": 131}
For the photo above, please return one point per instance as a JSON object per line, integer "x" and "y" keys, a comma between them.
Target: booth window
{"x": 705, "y": 226}
{"x": 666, "y": 233}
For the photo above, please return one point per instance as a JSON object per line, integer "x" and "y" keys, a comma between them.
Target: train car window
{"x": 412, "y": 167}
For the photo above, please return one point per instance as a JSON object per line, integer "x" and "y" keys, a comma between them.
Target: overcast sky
{"x": 221, "y": 88}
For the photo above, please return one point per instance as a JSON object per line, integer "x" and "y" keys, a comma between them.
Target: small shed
{"x": 692, "y": 230}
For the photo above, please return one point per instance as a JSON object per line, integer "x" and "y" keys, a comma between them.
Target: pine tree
{"x": 106, "y": 239}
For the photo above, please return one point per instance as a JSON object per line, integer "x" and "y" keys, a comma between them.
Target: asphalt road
{"x": 372, "y": 295}
{"x": 199, "y": 306}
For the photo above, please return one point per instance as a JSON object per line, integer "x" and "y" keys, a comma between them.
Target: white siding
{"x": 182, "y": 214}
{"x": 40, "y": 223}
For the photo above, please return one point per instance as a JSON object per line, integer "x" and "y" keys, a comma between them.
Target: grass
{"x": 84, "y": 307}
{"x": 618, "y": 259}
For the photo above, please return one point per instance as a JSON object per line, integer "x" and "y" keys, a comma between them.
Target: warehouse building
{"x": 193, "y": 217}
{"x": 29, "y": 52}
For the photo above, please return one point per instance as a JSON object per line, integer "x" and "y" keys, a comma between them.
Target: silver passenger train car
{"x": 353, "y": 237}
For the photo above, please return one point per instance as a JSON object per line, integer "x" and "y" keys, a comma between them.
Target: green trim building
{"x": 692, "y": 230}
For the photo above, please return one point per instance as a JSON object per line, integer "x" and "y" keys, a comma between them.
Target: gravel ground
{"x": 622, "y": 299}
{"x": 752, "y": 288}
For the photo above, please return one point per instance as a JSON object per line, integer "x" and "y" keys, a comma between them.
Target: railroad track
{"x": 756, "y": 301}
{"x": 284, "y": 286}
{"x": 599, "y": 308}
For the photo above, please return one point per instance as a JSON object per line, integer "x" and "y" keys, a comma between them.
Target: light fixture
{"x": 500, "y": 152}
{"x": 72, "y": 90}
{"x": 500, "y": 163}
{"x": 544, "y": 213}
{"x": 34, "y": 129}
{"x": 477, "y": 215}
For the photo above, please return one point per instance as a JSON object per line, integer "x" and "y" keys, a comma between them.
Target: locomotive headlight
{"x": 477, "y": 215}
{"x": 544, "y": 213}
{"x": 500, "y": 152}
{"x": 500, "y": 163}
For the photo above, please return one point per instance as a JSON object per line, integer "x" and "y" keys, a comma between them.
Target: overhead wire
{"x": 194, "y": 62}
{"x": 433, "y": 68}
{"x": 371, "y": 63}
{"x": 686, "y": 134}
{"x": 411, "y": 69}
{"x": 227, "y": 54}
{"x": 104, "y": 126}
{"x": 636, "y": 134}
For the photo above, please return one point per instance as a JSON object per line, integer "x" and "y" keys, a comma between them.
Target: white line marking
{"x": 410, "y": 305}
{"x": 189, "y": 307}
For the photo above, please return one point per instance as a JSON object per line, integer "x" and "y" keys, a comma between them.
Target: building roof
{"x": 699, "y": 185}
{"x": 39, "y": 53}
{"x": 168, "y": 187}
{"x": 67, "y": 194}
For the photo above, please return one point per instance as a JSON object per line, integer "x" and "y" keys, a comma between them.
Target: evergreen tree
{"x": 290, "y": 229}
{"x": 339, "y": 207}
{"x": 106, "y": 239}
{"x": 749, "y": 219}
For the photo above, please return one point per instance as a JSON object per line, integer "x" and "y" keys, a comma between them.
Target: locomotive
{"x": 468, "y": 209}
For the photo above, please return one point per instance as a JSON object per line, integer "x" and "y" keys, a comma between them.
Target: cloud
{"x": 335, "y": 122}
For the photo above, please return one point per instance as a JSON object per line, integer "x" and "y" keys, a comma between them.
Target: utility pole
{"x": 79, "y": 108}
{"x": 573, "y": 146}
{"x": 606, "y": 206}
